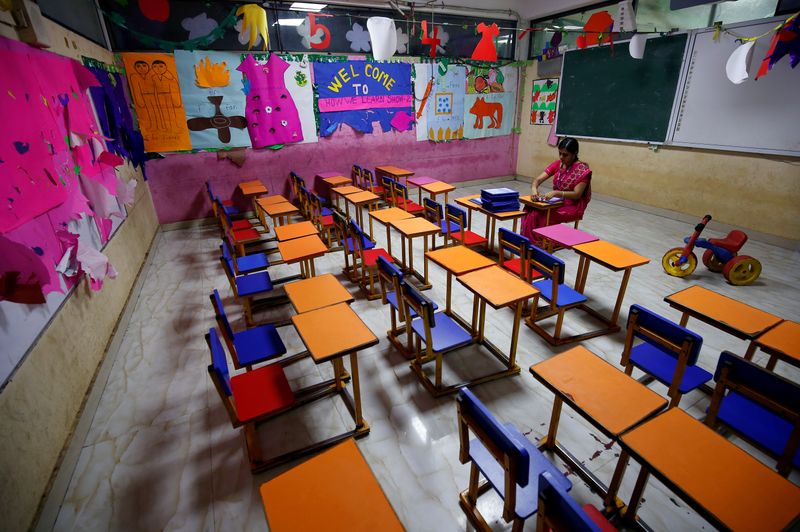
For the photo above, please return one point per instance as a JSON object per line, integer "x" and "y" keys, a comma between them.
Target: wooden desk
{"x": 732, "y": 316}
{"x": 418, "y": 182}
{"x": 545, "y": 206}
{"x": 393, "y": 172}
{"x": 458, "y": 260}
{"x": 270, "y": 200}
{"x": 343, "y": 191}
{"x": 252, "y": 190}
{"x": 436, "y": 187}
{"x": 295, "y": 230}
{"x": 303, "y": 250}
{"x": 603, "y": 395}
{"x": 385, "y": 216}
{"x": 337, "y": 180}
{"x": 615, "y": 259}
{"x": 409, "y": 228}
{"x": 317, "y": 292}
{"x": 564, "y": 236}
{"x": 279, "y": 212}
{"x": 491, "y": 217}
{"x": 334, "y": 490}
{"x": 725, "y": 485}
{"x": 358, "y": 200}
{"x": 782, "y": 342}
{"x": 330, "y": 333}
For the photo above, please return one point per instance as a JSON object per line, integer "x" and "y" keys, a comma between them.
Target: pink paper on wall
{"x": 42, "y": 252}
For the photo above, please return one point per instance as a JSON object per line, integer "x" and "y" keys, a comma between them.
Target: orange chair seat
{"x": 733, "y": 242}
{"x": 246, "y": 234}
{"x": 261, "y": 392}
{"x": 470, "y": 238}
{"x": 238, "y": 225}
{"x": 371, "y": 256}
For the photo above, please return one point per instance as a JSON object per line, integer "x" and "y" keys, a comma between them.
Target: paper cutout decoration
{"x": 596, "y": 30}
{"x": 359, "y": 92}
{"x": 297, "y": 80}
{"x": 445, "y": 110}
{"x": 543, "y": 101}
{"x": 481, "y": 80}
{"x": 157, "y": 99}
{"x": 739, "y": 62}
{"x": 213, "y": 100}
{"x": 402, "y": 41}
{"x": 199, "y": 26}
{"x": 383, "y": 35}
{"x": 358, "y": 38}
{"x": 157, "y": 10}
{"x": 626, "y": 16}
{"x": 314, "y": 35}
{"x": 490, "y": 114}
{"x": 271, "y": 112}
{"x": 237, "y": 156}
{"x": 786, "y": 41}
{"x": 637, "y": 45}
{"x": 13, "y": 289}
{"x": 423, "y": 85}
{"x": 431, "y": 40}
{"x": 254, "y": 21}
{"x": 486, "y": 50}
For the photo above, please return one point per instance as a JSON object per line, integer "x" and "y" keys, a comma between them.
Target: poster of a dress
{"x": 213, "y": 98}
{"x": 490, "y": 101}
{"x": 446, "y": 104}
{"x": 544, "y": 97}
{"x": 156, "y": 94}
{"x": 357, "y": 93}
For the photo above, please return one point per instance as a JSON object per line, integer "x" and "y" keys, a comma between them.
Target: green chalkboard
{"x": 606, "y": 93}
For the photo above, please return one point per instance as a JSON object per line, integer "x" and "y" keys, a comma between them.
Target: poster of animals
{"x": 213, "y": 98}
{"x": 544, "y": 98}
{"x": 490, "y": 100}
{"x": 156, "y": 94}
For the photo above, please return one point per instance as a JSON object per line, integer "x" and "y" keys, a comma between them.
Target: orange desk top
{"x": 334, "y": 490}
{"x": 784, "y": 338}
{"x": 497, "y": 286}
{"x": 317, "y": 292}
{"x": 337, "y": 180}
{"x": 730, "y": 315}
{"x": 437, "y": 187}
{"x": 540, "y": 205}
{"x": 415, "y": 226}
{"x": 602, "y": 393}
{"x": 344, "y": 191}
{"x": 387, "y": 215}
{"x": 271, "y": 200}
{"x": 279, "y": 209}
{"x": 252, "y": 187}
{"x": 332, "y": 332}
{"x": 302, "y": 248}
{"x": 465, "y": 202}
{"x": 732, "y": 486}
{"x": 459, "y": 259}
{"x": 362, "y": 197}
{"x": 395, "y": 171}
{"x": 610, "y": 255}
{"x": 296, "y": 230}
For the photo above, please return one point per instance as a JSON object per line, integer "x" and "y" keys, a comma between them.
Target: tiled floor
{"x": 161, "y": 452}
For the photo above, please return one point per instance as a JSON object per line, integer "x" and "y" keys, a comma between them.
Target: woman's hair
{"x": 569, "y": 144}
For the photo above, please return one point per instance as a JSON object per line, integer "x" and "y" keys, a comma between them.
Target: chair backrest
{"x": 662, "y": 333}
{"x": 356, "y": 175}
{"x": 456, "y": 215}
{"x": 433, "y": 211}
{"x": 558, "y": 511}
{"x": 400, "y": 190}
{"x": 390, "y": 277}
{"x": 219, "y": 361}
{"x": 422, "y": 306}
{"x": 770, "y": 389}
{"x": 388, "y": 189}
{"x": 368, "y": 178}
{"x": 515, "y": 244}
{"x": 549, "y": 265}
{"x": 222, "y": 318}
{"x": 357, "y": 236}
{"x": 228, "y": 255}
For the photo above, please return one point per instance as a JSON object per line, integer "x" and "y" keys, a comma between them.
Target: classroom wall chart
{"x": 544, "y": 97}
{"x": 423, "y": 85}
{"x": 490, "y": 101}
{"x": 213, "y": 98}
{"x": 297, "y": 80}
{"x": 357, "y": 93}
{"x": 153, "y": 81}
{"x": 445, "y": 109}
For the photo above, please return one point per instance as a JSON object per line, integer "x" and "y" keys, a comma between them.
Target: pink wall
{"x": 177, "y": 181}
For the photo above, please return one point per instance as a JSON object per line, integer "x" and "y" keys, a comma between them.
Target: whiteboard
{"x": 756, "y": 116}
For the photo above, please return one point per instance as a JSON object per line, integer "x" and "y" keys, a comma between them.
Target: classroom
{"x": 400, "y": 265}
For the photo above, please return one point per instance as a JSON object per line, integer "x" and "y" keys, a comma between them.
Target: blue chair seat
{"x": 392, "y": 298}
{"x": 758, "y": 423}
{"x": 453, "y": 227}
{"x": 446, "y": 334}
{"x": 366, "y": 243}
{"x": 566, "y": 295}
{"x": 258, "y": 344}
{"x": 528, "y": 496}
{"x": 254, "y": 283}
{"x": 660, "y": 365}
{"x": 326, "y": 212}
{"x": 252, "y": 263}
{"x": 230, "y": 210}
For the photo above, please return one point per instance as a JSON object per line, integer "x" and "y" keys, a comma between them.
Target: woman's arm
{"x": 574, "y": 194}
{"x": 538, "y": 181}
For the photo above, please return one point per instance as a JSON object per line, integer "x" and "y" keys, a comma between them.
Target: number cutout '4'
{"x": 432, "y": 41}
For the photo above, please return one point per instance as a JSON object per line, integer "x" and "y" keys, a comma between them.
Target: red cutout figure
{"x": 599, "y": 23}
{"x": 313, "y": 26}
{"x": 157, "y": 10}
{"x": 432, "y": 41}
{"x": 486, "y": 50}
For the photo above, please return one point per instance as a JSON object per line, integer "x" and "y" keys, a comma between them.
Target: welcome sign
{"x": 359, "y": 92}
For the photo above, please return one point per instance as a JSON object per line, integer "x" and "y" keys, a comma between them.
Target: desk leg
{"x": 515, "y": 335}
{"x": 410, "y": 254}
{"x": 449, "y": 292}
{"x": 584, "y": 274}
{"x": 751, "y": 350}
{"x": 610, "y": 500}
{"x": 356, "y": 388}
{"x": 445, "y": 197}
{"x": 514, "y": 224}
{"x": 547, "y": 217}
{"x": 425, "y": 259}
{"x": 636, "y": 496}
{"x": 338, "y": 370}
{"x": 482, "y": 321}
{"x": 622, "y": 287}
{"x": 346, "y": 208}
{"x": 388, "y": 239}
{"x": 684, "y": 319}
{"x": 579, "y": 274}
{"x": 474, "y": 324}
{"x": 313, "y": 269}
{"x": 555, "y": 416}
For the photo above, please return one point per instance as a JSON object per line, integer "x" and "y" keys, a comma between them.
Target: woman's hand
{"x": 554, "y": 194}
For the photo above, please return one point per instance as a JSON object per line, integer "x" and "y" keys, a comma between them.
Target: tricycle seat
{"x": 733, "y": 242}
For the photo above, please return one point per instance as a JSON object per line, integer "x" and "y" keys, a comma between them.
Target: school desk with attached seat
{"x": 279, "y": 212}
{"x": 252, "y": 190}
{"x": 563, "y": 236}
{"x": 343, "y": 192}
{"x": 393, "y": 172}
{"x": 295, "y": 230}
{"x": 385, "y": 216}
{"x": 437, "y": 187}
{"x": 409, "y": 229}
{"x": 545, "y": 206}
{"x": 457, "y": 260}
{"x": 303, "y": 250}
{"x": 359, "y": 200}
{"x": 782, "y": 342}
{"x": 317, "y": 292}
{"x": 603, "y": 395}
{"x": 418, "y": 181}
{"x": 491, "y": 217}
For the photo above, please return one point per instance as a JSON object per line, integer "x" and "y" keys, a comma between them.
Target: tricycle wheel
{"x": 712, "y": 262}
{"x": 670, "y": 263}
{"x": 742, "y": 270}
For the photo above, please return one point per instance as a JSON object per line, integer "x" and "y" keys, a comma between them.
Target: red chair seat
{"x": 326, "y": 221}
{"x": 598, "y": 518}
{"x": 409, "y": 206}
{"x": 733, "y": 242}
{"x": 238, "y": 225}
{"x": 227, "y": 203}
{"x": 515, "y": 266}
{"x": 377, "y": 189}
{"x": 470, "y": 238}
{"x": 261, "y": 392}
{"x": 246, "y": 234}
{"x": 371, "y": 256}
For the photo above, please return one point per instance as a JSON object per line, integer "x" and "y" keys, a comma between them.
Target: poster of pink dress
{"x": 270, "y": 111}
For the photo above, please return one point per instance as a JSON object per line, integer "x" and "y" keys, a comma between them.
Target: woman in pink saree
{"x": 571, "y": 181}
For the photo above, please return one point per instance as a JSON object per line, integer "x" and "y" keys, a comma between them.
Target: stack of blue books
{"x": 500, "y": 199}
